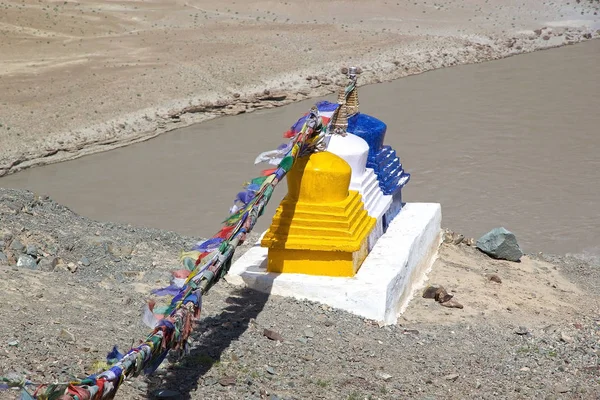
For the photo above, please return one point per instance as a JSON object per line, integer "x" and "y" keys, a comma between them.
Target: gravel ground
{"x": 535, "y": 335}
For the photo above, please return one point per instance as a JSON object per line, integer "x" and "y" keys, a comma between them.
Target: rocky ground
{"x": 71, "y": 288}
{"x": 83, "y": 77}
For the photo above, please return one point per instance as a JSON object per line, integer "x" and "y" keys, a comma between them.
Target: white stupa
{"x": 355, "y": 150}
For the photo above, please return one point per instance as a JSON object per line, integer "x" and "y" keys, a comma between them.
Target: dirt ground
{"x": 78, "y": 77}
{"x": 532, "y": 333}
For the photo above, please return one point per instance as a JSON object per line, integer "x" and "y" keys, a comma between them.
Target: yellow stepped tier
{"x": 320, "y": 228}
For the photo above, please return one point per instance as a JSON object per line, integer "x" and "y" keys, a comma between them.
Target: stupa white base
{"x": 384, "y": 284}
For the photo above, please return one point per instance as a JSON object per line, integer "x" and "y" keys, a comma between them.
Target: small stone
{"x": 16, "y": 245}
{"x": 478, "y": 385}
{"x": 521, "y": 330}
{"x": 32, "y": 250}
{"x": 546, "y": 37}
{"x": 167, "y": 394}
{"x": 303, "y": 340}
{"x": 66, "y": 336}
{"x": 2, "y": 244}
{"x": 525, "y": 369}
{"x": 72, "y": 267}
{"x": 13, "y": 343}
{"x": 565, "y": 338}
{"x": 271, "y": 370}
{"x": 309, "y": 334}
{"x": 3, "y": 258}
{"x": 85, "y": 261}
{"x": 227, "y": 381}
{"x": 495, "y": 278}
{"x": 458, "y": 239}
{"x": 451, "y": 377}
{"x": 27, "y": 261}
{"x": 236, "y": 95}
{"x": 383, "y": 376}
{"x": 272, "y": 335}
{"x": 48, "y": 263}
{"x": 563, "y": 389}
{"x": 452, "y": 304}
{"x": 501, "y": 244}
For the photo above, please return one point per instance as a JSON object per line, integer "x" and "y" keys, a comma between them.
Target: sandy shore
{"x": 83, "y": 77}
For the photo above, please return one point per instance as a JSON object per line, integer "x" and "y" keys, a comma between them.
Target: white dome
{"x": 353, "y": 149}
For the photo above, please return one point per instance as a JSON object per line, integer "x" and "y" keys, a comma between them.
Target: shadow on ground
{"x": 212, "y": 335}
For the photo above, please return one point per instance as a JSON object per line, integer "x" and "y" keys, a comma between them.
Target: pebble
{"x": 71, "y": 267}
{"x": 66, "y": 336}
{"x": 16, "y": 245}
{"x": 271, "y": 370}
{"x": 2, "y": 244}
{"x": 3, "y": 258}
{"x": 85, "y": 261}
{"x": 13, "y": 343}
{"x": 521, "y": 330}
{"x": 451, "y": 377}
{"x": 565, "y": 338}
{"x": 383, "y": 376}
{"x": 27, "y": 261}
{"x": 309, "y": 334}
{"x": 32, "y": 250}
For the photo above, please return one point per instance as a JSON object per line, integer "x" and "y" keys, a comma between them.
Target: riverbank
{"x": 78, "y": 79}
{"x": 527, "y": 330}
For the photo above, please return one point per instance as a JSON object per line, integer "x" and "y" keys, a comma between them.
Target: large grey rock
{"x": 27, "y": 261}
{"x": 501, "y": 244}
{"x": 16, "y": 245}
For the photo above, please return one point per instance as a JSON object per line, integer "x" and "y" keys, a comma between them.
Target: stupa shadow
{"x": 212, "y": 335}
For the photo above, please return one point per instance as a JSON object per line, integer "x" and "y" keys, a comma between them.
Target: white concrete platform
{"x": 383, "y": 286}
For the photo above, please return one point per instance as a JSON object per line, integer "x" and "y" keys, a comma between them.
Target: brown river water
{"x": 513, "y": 143}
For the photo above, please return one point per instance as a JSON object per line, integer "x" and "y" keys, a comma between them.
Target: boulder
{"x": 501, "y": 244}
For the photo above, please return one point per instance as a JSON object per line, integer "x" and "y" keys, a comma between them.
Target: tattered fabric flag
{"x": 326, "y": 111}
{"x": 208, "y": 262}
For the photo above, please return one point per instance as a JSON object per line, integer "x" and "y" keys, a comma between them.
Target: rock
{"x": 563, "y": 389}
{"x": 48, "y": 263}
{"x": 32, "y": 250}
{"x": 7, "y": 237}
{"x": 451, "y": 377}
{"x": 2, "y": 244}
{"x": 452, "y": 304}
{"x": 495, "y": 278}
{"x": 438, "y": 293}
{"x": 167, "y": 394}
{"x": 309, "y": 334}
{"x": 66, "y": 336}
{"x": 383, "y": 376}
{"x": 271, "y": 370}
{"x": 525, "y": 369}
{"x": 272, "y": 335}
{"x": 501, "y": 244}
{"x": 13, "y": 343}
{"x": 27, "y": 261}
{"x": 521, "y": 330}
{"x": 565, "y": 338}
{"x": 85, "y": 261}
{"x": 458, "y": 239}
{"x": 227, "y": 381}
{"x": 546, "y": 37}
{"x": 3, "y": 258}
{"x": 16, "y": 245}
{"x": 72, "y": 267}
